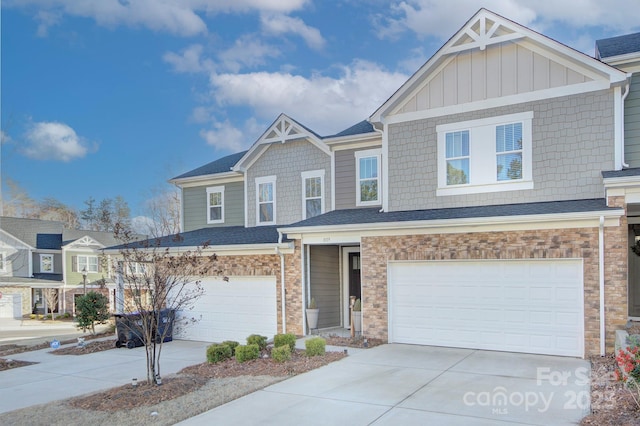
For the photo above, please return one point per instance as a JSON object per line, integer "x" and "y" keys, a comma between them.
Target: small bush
{"x": 285, "y": 339}
{"x": 256, "y": 339}
{"x": 32, "y": 316}
{"x": 247, "y": 352}
{"x": 217, "y": 353}
{"x": 281, "y": 353}
{"x": 315, "y": 346}
{"x": 232, "y": 344}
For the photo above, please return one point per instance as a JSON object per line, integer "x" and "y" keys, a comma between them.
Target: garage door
{"x": 10, "y": 305}
{"x": 232, "y": 310}
{"x": 516, "y": 306}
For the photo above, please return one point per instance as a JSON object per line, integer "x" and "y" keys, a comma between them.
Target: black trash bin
{"x": 164, "y": 332}
{"x": 129, "y": 329}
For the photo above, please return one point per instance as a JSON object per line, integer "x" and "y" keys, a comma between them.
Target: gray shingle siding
{"x": 572, "y": 143}
{"x": 287, "y": 162}
{"x": 195, "y": 206}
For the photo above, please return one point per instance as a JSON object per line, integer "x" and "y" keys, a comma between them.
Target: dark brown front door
{"x": 354, "y": 275}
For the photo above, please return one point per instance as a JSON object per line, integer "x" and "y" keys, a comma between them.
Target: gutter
{"x": 282, "y": 285}
{"x": 601, "y": 279}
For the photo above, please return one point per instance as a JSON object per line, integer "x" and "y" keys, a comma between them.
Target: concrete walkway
{"x": 65, "y": 376}
{"x": 32, "y": 332}
{"x": 417, "y": 385}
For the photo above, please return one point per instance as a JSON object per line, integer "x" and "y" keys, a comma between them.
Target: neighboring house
{"x": 484, "y": 205}
{"x": 36, "y": 255}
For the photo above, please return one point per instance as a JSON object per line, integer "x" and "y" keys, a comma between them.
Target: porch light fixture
{"x": 84, "y": 280}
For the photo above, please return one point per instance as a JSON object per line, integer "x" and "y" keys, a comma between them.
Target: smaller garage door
{"x": 10, "y": 305}
{"x": 516, "y": 306}
{"x": 232, "y": 310}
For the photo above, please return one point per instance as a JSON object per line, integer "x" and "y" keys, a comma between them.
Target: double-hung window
{"x": 88, "y": 263}
{"x": 266, "y": 200}
{"x": 46, "y": 263}
{"x": 215, "y": 204}
{"x": 486, "y": 155}
{"x": 312, "y": 193}
{"x": 368, "y": 176}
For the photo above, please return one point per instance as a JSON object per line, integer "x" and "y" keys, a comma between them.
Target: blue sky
{"x": 115, "y": 97}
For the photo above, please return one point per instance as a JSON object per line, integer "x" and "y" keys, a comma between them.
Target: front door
{"x": 354, "y": 275}
{"x": 634, "y": 277}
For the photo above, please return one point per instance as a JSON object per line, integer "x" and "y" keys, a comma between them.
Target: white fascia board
{"x": 479, "y": 224}
{"x": 229, "y": 176}
{"x": 88, "y": 244}
{"x": 46, "y": 251}
{"x": 499, "y": 102}
{"x": 621, "y": 182}
{"x": 225, "y": 250}
{"x": 19, "y": 242}
{"x": 335, "y": 142}
{"x": 621, "y": 59}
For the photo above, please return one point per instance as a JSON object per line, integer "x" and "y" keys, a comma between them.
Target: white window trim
{"x": 481, "y": 155}
{"x": 365, "y": 154}
{"x": 259, "y": 181}
{"x": 87, "y": 257}
{"x": 53, "y": 267}
{"x": 212, "y": 190}
{"x": 309, "y": 175}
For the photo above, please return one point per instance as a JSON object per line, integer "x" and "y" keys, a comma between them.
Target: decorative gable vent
{"x": 284, "y": 130}
{"x": 482, "y": 33}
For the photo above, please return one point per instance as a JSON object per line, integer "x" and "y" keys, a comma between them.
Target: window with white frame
{"x": 88, "y": 263}
{"x": 486, "y": 155}
{"x": 137, "y": 268}
{"x": 3, "y": 266}
{"x": 215, "y": 204}
{"x": 312, "y": 193}
{"x": 46, "y": 263}
{"x": 368, "y": 177}
{"x": 266, "y": 200}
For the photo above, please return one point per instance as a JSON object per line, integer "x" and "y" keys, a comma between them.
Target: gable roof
{"x": 83, "y": 238}
{"x": 27, "y": 230}
{"x": 487, "y": 29}
{"x": 360, "y": 128}
{"x": 284, "y": 129}
{"x": 617, "y": 46}
{"x": 221, "y": 165}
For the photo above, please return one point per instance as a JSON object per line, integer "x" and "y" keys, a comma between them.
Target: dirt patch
{"x": 611, "y": 403}
{"x": 8, "y": 364}
{"x": 88, "y": 348}
{"x": 353, "y": 342}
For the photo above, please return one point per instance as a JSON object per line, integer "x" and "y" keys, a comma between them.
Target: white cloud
{"x": 247, "y": 51}
{"x": 278, "y": 24}
{"x": 180, "y": 17}
{"x": 46, "y": 20}
{"x": 189, "y": 60}
{"x": 325, "y": 104}
{"x": 4, "y": 138}
{"x": 53, "y": 141}
{"x": 442, "y": 19}
{"x": 224, "y": 136}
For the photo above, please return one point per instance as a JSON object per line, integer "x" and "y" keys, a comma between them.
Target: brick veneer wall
{"x": 541, "y": 244}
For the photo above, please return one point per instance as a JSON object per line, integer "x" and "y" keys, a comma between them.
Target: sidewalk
{"x": 33, "y": 332}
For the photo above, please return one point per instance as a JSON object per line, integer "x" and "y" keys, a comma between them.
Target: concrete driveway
{"x": 64, "y": 376}
{"x": 417, "y": 385}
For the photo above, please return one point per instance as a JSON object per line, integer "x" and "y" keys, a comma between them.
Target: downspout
{"x": 282, "y": 288}
{"x": 601, "y": 278}
{"x": 624, "y": 96}
{"x": 382, "y": 169}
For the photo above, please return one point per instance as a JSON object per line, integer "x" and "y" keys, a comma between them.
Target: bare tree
{"x": 158, "y": 283}
{"x": 51, "y": 297}
{"x": 163, "y": 211}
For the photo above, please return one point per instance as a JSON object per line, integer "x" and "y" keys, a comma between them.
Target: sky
{"x": 115, "y": 97}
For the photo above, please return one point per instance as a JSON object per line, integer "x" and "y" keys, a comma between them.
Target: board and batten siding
{"x": 632, "y": 123}
{"x": 345, "y": 163}
{"x": 572, "y": 143}
{"x": 499, "y": 70}
{"x": 325, "y": 283}
{"x": 195, "y": 206}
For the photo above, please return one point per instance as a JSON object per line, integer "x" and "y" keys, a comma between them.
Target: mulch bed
{"x": 611, "y": 403}
{"x": 88, "y": 348}
{"x": 12, "y": 349}
{"x": 353, "y": 342}
{"x": 192, "y": 378}
{"x": 8, "y": 364}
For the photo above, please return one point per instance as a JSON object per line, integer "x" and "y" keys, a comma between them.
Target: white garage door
{"x": 232, "y": 310}
{"x": 10, "y": 305}
{"x": 516, "y": 306}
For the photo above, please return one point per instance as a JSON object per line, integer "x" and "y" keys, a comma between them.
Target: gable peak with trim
{"x": 284, "y": 129}
{"x": 492, "y": 57}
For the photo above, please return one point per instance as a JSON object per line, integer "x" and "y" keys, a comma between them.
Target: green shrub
{"x": 285, "y": 339}
{"x": 256, "y": 339}
{"x": 281, "y": 353}
{"x": 315, "y": 346}
{"x": 247, "y": 352}
{"x": 218, "y": 352}
{"x": 232, "y": 344}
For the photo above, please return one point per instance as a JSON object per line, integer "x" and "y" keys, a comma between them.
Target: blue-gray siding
{"x": 632, "y": 123}
{"x": 195, "y": 206}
